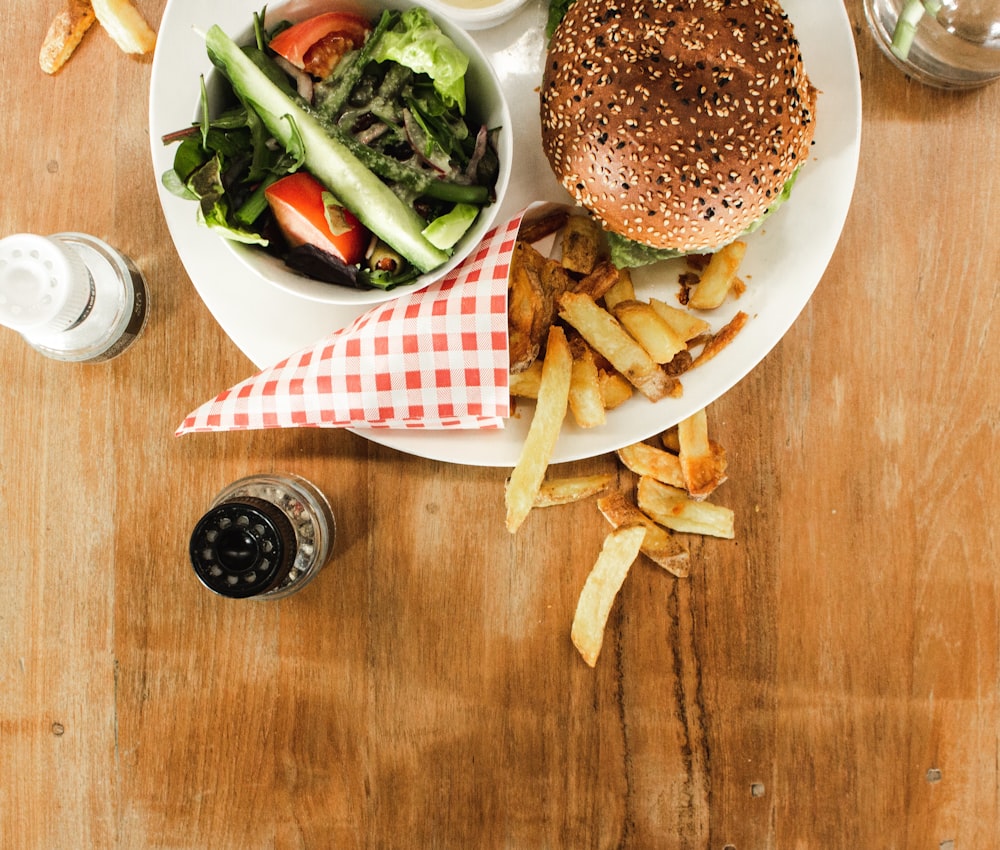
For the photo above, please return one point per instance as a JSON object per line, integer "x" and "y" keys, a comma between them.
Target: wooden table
{"x": 827, "y": 680}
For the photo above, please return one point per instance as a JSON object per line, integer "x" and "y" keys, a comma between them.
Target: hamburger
{"x": 679, "y": 124}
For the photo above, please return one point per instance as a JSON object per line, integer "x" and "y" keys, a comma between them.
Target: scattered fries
{"x": 686, "y": 325}
{"x": 119, "y": 18}
{"x": 126, "y": 25}
{"x": 550, "y": 410}
{"x": 646, "y": 460}
{"x": 659, "y": 545}
{"x": 586, "y": 401}
{"x": 582, "y": 342}
{"x": 650, "y": 330}
{"x": 620, "y": 549}
{"x": 662, "y": 506}
{"x": 537, "y": 229}
{"x": 525, "y": 384}
{"x": 609, "y": 338}
{"x": 604, "y": 277}
{"x": 721, "y": 339}
{"x": 525, "y": 301}
{"x": 581, "y": 244}
{"x": 703, "y": 466}
{"x": 629, "y": 343}
{"x": 65, "y": 32}
{"x": 673, "y": 508}
{"x": 563, "y": 491}
{"x": 615, "y": 390}
{"x": 718, "y": 277}
{"x": 621, "y": 290}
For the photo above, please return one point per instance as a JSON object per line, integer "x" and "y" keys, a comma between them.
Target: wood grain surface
{"x": 829, "y": 679}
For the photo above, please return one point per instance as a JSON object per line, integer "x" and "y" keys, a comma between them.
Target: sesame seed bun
{"x": 676, "y": 123}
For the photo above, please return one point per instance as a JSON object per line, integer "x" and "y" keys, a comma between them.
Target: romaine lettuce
{"x": 419, "y": 44}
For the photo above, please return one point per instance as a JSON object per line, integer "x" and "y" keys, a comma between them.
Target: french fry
{"x": 545, "y": 225}
{"x": 525, "y": 307}
{"x": 672, "y": 508}
{"x": 649, "y": 329}
{"x": 555, "y": 281}
{"x": 546, "y": 423}
{"x": 126, "y": 25}
{"x": 524, "y": 384}
{"x": 717, "y": 278}
{"x": 644, "y": 459}
{"x": 669, "y": 440}
{"x": 65, "y": 33}
{"x": 702, "y": 467}
{"x": 581, "y": 244}
{"x": 659, "y": 545}
{"x": 681, "y": 363}
{"x": 563, "y": 491}
{"x": 622, "y": 290}
{"x": 607, "y": 337}
{"x": 726, "y": 334}
{"x": 619, "y": 551}
{"x": 586, "y": 402}
{"x": 596, "y": 284}
{"x": 615, "y": 390}
{"x": 686, "y": 325}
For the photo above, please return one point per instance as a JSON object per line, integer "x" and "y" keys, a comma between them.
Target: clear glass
{"x": 949, "y": 44}
{"x": 310, "y": 515}
{"x": 119, "y": 309}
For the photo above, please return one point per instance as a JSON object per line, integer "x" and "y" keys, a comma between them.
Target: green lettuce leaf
{"x": 557, "y": 11}
{"x": 417, "y": 43}
{"x": 627, "y": 254}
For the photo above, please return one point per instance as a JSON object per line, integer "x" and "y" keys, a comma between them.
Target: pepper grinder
{"x": 264, "y": 537}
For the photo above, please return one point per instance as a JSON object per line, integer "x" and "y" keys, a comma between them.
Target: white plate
{"x": 784, "y": 263}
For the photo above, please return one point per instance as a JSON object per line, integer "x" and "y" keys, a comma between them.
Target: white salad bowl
{"x": 486, "y": 104}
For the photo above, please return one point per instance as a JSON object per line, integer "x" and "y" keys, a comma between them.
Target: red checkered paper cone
{"x": 433, "y": 359}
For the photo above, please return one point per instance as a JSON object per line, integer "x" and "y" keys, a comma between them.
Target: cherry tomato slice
{"x": 297, "y": 204}
{"x": 317, "y": 44}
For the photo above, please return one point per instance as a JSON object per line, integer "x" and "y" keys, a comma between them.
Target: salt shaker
{"x": 949, "y": 44}
{"x": 72, "y": 296}
{"x": 264, "y": 537}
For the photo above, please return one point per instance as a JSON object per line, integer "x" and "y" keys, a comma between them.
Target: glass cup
{"x": 949, "y": 44}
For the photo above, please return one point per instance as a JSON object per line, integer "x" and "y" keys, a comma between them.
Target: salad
{"x": 344, "y": 147}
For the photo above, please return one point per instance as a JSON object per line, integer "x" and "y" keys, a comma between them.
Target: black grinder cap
{"x": 243, "y": 548}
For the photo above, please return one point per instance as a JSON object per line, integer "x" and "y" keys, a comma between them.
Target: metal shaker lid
{"x": 44, "y": 286}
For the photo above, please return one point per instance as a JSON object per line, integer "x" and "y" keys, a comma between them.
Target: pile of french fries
{"x": 581, "y": 343}
{"x": 674, "y": 479}
{"x": 119, "y": 18}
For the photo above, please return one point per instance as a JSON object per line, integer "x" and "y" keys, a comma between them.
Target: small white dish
{"x": 475, "y": 14}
